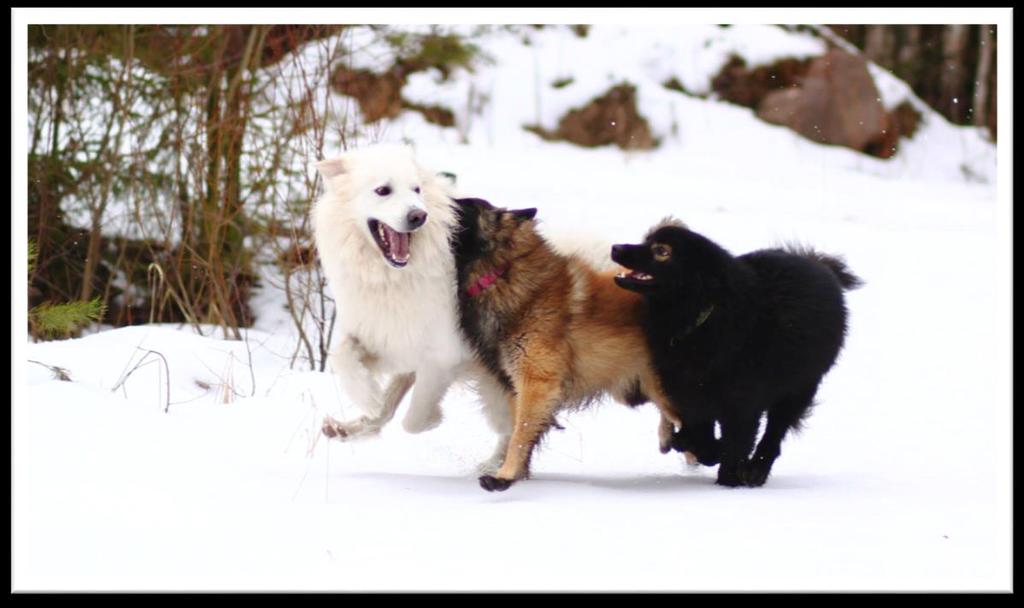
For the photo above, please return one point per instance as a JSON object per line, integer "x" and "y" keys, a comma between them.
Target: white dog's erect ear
{"x": 331, "y": 167}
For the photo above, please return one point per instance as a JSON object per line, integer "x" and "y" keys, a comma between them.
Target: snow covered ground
{"x": 203, "y": 468}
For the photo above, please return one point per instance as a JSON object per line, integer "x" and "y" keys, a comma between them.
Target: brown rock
{"x": 780, "y": 107}
{"x": 745, "y": 86}
{"x": 379, "y": 95}
{"x": 837, "y": 104}
{"x": 610, "y": 119}
{"x": 435, "y": 114}
{"x": 901, "y": 122}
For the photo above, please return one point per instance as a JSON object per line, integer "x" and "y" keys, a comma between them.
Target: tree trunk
{"x": 92, "y": 258}
{"x": 941, "y": 63}
{"x": 908, "y": 49}
{"x": 47, "y": 185}
{"x": 986, "y": 53}
{"x": 878, "y": 44}
{"x": 951, "y": 79}
{"x": 222, "y": 218}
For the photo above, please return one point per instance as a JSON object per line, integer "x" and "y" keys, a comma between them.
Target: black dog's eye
{"x": 416, "y": 189}
{"x": 383, "y": 190}
{"x": 661, "y": 252}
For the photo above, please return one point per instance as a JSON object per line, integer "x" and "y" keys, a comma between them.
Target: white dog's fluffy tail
{"x": 593, "y": 249}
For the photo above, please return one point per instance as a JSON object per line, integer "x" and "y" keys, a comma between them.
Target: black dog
{"x": 735, "y": 337}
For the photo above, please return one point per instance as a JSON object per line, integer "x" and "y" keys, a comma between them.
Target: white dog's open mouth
{"x": 393, "y": 244}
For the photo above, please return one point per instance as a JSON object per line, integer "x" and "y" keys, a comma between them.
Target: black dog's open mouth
{"x": 393, "y": 244}
{"x": 635, "y": 275}
{"x": 633, "y": 279}
{"x": 629, "y": 257}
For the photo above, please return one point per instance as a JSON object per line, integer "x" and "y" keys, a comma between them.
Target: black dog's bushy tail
{"x": 834, "y": 263}
{"x": 838, "y": 267}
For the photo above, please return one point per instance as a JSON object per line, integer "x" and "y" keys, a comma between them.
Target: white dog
{"x": 381, "y": 229}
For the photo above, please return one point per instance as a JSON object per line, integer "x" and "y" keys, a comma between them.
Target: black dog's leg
{"x": 699, "y": 439}
{"x": 782, "y": 416}
{"x": 739, "y": 430}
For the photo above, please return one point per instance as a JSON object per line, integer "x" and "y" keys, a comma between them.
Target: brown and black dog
{"x": 554, "y": 332}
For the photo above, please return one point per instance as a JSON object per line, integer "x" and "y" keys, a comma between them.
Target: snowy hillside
{"x": 177, "y": 461}
{"x": 520, "y": 91}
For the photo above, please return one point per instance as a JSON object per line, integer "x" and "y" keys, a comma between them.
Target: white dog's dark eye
{"x": 383, "y": 190}
{"x": 416, "y": 189}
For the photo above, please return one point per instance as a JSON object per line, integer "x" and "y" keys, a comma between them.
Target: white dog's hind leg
{"x": 425, "y": 410}
{"x": 497, "y": 409}
{"x": 397, "y": 388}
{"x": 354, "y": 364}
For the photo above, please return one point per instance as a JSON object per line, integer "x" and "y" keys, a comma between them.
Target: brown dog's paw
{"x": 494, "y": 484}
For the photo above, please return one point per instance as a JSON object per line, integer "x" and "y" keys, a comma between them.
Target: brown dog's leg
{"x": 538, "y": 394}
{"x": 665, "y": 431}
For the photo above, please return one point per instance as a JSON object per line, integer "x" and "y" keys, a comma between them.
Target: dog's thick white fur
{"x": 397, "y": 326}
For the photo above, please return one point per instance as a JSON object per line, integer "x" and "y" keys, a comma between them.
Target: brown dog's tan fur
{"x": 563, "y": 333}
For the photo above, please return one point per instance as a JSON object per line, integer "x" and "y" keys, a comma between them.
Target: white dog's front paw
{"x": 348, "y": 430}
{"x": 416, "y": 422}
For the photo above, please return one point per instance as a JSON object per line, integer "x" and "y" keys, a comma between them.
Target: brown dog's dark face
{"x": 489, "y": 231}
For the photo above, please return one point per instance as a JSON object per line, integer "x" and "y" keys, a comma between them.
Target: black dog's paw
{"x": 754, "y": 472}
{"x": 681, "y": 441}
{"x": 708, "y": 455}
{"x": 706, "y": 452}
{"x": 728, "y": 477}
{"x": 493, "y": 484}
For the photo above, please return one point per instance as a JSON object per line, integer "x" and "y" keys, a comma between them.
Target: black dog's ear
{"x": 522, "y": 215}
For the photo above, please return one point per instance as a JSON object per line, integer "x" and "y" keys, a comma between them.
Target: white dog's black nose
{"x": 416, "y": 218}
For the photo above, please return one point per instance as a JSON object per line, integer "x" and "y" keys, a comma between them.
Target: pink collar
{"x": 485, "y": 281}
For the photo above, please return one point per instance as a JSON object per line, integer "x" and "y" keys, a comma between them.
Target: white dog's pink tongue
{"x": 398, "y": 244}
